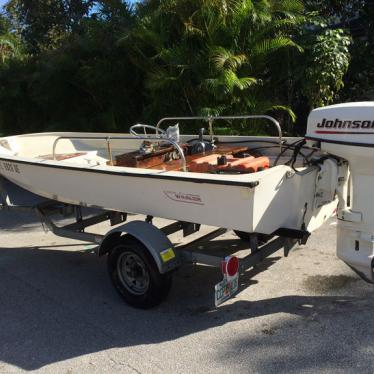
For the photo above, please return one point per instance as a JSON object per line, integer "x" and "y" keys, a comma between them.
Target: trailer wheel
{"x": 135, "y": 275}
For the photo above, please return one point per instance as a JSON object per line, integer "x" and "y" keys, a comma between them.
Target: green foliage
{"x": 336, "y": 10}
{"x": 212, "y": 57}
{"x": 328, "y": 58}
{"x": 359, "y": 81}
{"x": 103, "y": 65}
{"x": 10, "y": 46}
{"x": 87, "y": 83}
{"x": 44, "y": 24}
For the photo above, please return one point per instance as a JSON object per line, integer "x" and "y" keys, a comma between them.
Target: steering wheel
{"x": 133, "y": 129}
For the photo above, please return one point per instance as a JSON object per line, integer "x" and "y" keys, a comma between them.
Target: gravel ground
{"x": 60, "y": 314}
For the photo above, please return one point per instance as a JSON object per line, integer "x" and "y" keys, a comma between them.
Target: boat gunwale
{"x": 249, "y": 184}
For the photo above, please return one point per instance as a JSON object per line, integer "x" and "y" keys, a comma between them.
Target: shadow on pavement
{"x": 57, "y": 305}
{"x": 330, "y": 334}
{"x": 14, "y": 221}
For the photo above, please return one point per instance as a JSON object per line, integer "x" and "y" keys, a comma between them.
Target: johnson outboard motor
{"x": 346, "y": 131}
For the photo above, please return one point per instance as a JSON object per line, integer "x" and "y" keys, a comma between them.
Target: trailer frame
{"x": 167, "y": 256}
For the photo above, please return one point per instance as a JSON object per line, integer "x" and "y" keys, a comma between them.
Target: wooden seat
{"x": 177, "y": 165}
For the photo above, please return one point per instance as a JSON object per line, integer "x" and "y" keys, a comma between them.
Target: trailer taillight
{"x": 230, "y": 266}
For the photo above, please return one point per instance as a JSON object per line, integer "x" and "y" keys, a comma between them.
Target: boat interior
{"x": 150, "y": 147}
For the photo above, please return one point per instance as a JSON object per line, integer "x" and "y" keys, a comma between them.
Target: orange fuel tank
{"x": 216, "y": 162}
{"x": 250, "y": 165}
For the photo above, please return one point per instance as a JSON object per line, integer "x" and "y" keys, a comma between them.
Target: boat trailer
{"x": 149, "y": 258}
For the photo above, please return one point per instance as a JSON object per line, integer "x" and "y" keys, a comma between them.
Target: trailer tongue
{"x": 273, "y": 192}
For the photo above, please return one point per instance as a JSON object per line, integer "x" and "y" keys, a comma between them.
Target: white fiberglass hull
{"x": 259, "y": 202}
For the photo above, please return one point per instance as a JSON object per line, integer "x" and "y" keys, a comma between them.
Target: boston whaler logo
{"x": 337, "y": 125}
{"x": 184, "y": 197}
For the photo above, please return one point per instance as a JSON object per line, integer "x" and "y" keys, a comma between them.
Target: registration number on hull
{"x": 9, "y": 167}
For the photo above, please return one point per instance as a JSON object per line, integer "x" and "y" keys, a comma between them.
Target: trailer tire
{"x": 135, "y": 275}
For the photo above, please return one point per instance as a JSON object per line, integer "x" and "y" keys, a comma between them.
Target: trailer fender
{"x": 157, "y": 243}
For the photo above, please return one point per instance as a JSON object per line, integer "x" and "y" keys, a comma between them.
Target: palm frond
{"x": 286, "y": 109}
{"x": 227, "y": 82}
{"x": 289, "y": 7}
{"x": 223, "y": 58}
{"x": 268, "y": 46}
{"x": 160, "y": 79}
{"x": 192, "y": 30}
{"x": 246, "y": 82}
{"x": 241, "y": 8}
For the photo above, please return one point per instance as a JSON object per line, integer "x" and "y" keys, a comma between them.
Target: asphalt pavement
{"x": 60, "y": 314}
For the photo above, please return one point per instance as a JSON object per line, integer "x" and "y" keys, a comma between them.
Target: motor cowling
{"x": 348, "y": 124}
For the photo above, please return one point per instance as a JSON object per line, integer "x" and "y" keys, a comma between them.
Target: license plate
{"x": 225, "y": 289}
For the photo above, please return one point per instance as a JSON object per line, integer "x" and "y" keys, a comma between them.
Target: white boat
{"x": 177, "y": 178}
{"x": 273, "y": 191}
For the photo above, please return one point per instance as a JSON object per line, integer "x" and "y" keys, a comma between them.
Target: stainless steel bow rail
{"x": 108, "y": 140}
{"x": 211, "y": 119}
{"x": 160, "y": 138}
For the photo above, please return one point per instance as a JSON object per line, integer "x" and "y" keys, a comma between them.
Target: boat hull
{"x": 259, "y": 202}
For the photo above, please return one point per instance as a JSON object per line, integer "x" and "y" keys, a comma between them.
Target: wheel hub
{"x": 133, "y": 273}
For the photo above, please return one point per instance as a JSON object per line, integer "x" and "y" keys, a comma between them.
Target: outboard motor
{"x": 346, "y": 132}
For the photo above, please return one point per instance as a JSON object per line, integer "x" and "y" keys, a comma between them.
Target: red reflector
{"x": 232, "y": 266}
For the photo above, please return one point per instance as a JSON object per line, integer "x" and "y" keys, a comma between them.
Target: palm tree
{"x": 212, "y": 56}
